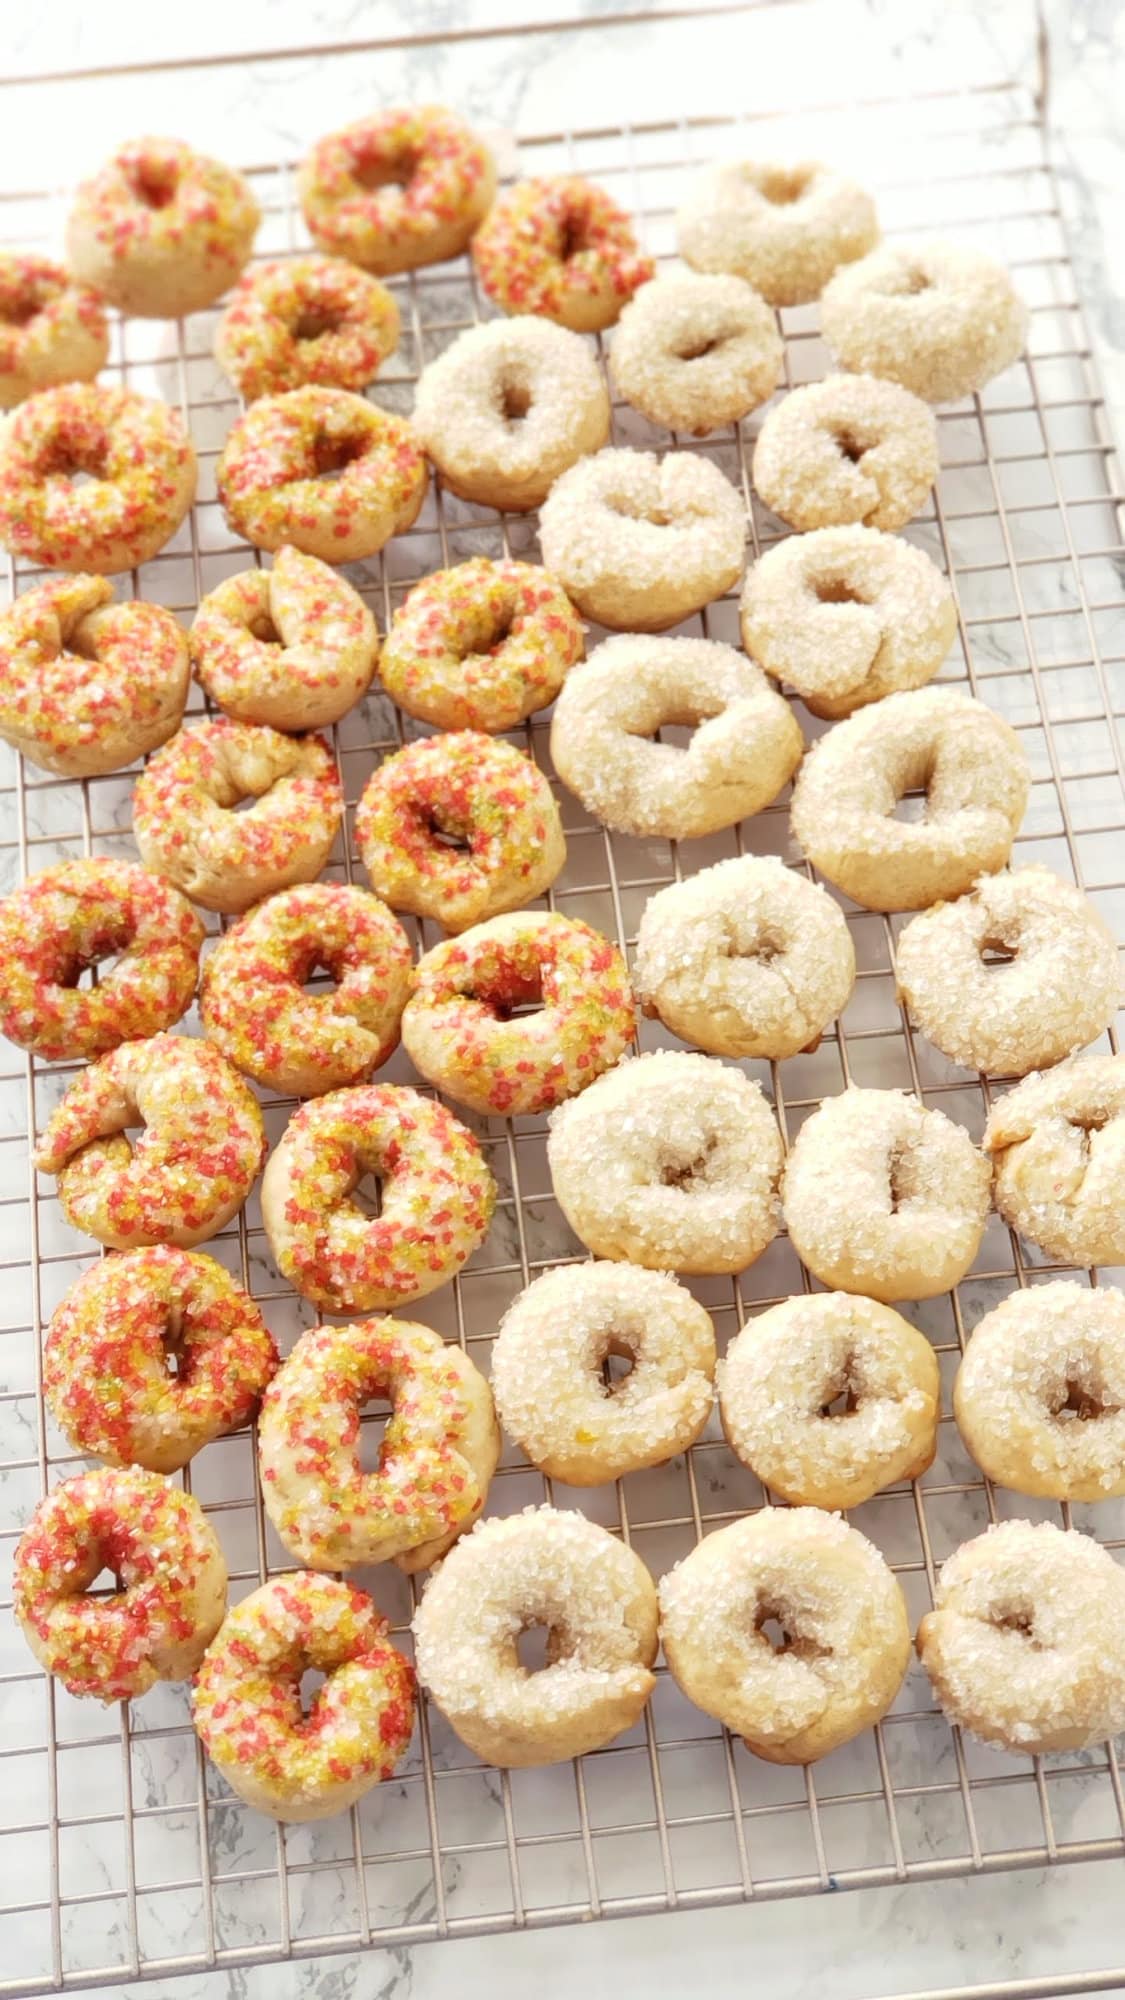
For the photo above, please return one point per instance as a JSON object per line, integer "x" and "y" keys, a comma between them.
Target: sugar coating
{"x": 405, "y": 187}
{"x": 972, "y": 767}
{"x": 937, "y": 318}
{"x": 193, "y": 1165}
{"x": 247, "y": 1706}
{"x": 482, "y": 645}
{"x": 293, "y": 646}
{"x": 1058, "y": 1151}
{"x": 1022, "y": 1645}
{"x": 548, "y": 1371}
{"x": 849, "y": 448}
{"x": 671, "y": 1161}
{"x": 695, "y": 352}
{"x": 503, "y": 841}
{"x": 458, "y": 1028}
{"x": 437, "y": 1198}
{"x": 269, "y": 474}
{"x": 438, "y": 1453}
{"x": 884, "y": 1196}
{"x": 844, "y": 1616}
{"x": 186, "y": 827}
{"x": 508, "y": 407}
{"x": 142, "y": 471}
{"x": 87, "y": 685}
{"x": 846, "y": 616}
{"x": 172, "y": 1583}
{"x": 561, "y": 248}
{"x": 298, "y": 320}
{"x": 106, "y": 1362}
{"x": 1040, "y": 1395}
{"x": 787, "y": 1366}
{"x": 160, "y": 230}
{"x": 640, "y": 542}
{"x": 71, "y": 917}
{"x": 746, "y": 958}
{"x": 745, "y": 748}
{"x": 253, "y": 1003}
{"x": 51, "y": 329}
{"x": 785, "y": 227}
{"x": 1057, "y": 991}
{"x": 544, "y": 1566}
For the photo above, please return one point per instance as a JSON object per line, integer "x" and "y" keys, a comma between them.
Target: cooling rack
{"x": 123, "y": 1855}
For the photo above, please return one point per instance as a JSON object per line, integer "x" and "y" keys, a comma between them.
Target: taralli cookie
{"x": 160, "y": 230}
{"x": 850, "y": 448}
{"x": 111, "y": 1344}
{"x": 403, "y": 188}
{"x": 1050, "y": 984}
{"x": 1058, "y": 1160}
{"x": 671, "y": 1161}
{"x": 696, "y": 353}
{"x": 1022, "y": 1644}
{"x": 325, "y": 470}
{"x": 74, "y": 916}
{"x": 253, "y": 1001}
{"x": 847, "y": 616}
{"x": 1040, "y": 1395}
{"x": 459, "y": 1030}
{"x": 459, "y": 828}
{"x": 306, "y": 320}
{"x": 973, "y": 770}
{"x": 560, "y": 248}
{"x": 481, "y": 646}
{"x": 139, "y": 466}
{"x": 508, "y": 407}
{"x": 437, "y": 1456}
{"x": 641, "y": 542}
{"x": 784, "y": 228}
{"x": 787, "y": 1369}
{"x": 87, "y": 685}
{"x": 248, "y": 1711}
{"x": 885, "y": 1196}
{"x": 51, "y": 329}
{"x": 186, "y": 826}
{"x": 193, "y": 1165}
{"x": 846, "y": 1635}
{"x": 596, "y": 1598}
{"x": 293, "y": 646}
{"x": 745, "y": 747}
{"x": 938, "y": 319}
{"x": 550, "y": 1371}
{"x": 745, "y": 959}
{"x": 437, "y": 1197}
{"x": 171, "y": 1583}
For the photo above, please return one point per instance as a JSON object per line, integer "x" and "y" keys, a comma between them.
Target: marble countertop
{"x": 251, "y": 105}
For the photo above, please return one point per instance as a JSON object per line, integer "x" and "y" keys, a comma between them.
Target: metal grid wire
{"x": 123, "y": 1854}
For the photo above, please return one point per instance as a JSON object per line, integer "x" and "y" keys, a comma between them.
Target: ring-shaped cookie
{"x": 506, "y": 409}
{"x": 748, "y": 958}
{"x": 1013, "y": 977}
{"x": 885, "y": 1196}
{"x": 745, "y": 747}
{"x": 967, "y": 759}
{"x": 672, "y": 1161}
{"x": 437, "y": 1197}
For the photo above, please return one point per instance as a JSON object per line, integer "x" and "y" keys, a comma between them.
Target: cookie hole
{"x": 849, "y": 447}
{"x": 532, "y": 1647}
{"x": 781, "y": 186}
{"x": 153, "y": 184}
{"x": 313, "y": 325}
{"x": 311, "y": 1683}
{"x": 332, "y": 456}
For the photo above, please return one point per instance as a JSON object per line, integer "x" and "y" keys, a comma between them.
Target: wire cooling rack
{"x": 122, "y": 1853}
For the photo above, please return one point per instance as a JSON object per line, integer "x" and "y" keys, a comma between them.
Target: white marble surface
{"x": 871, "y": 1942}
